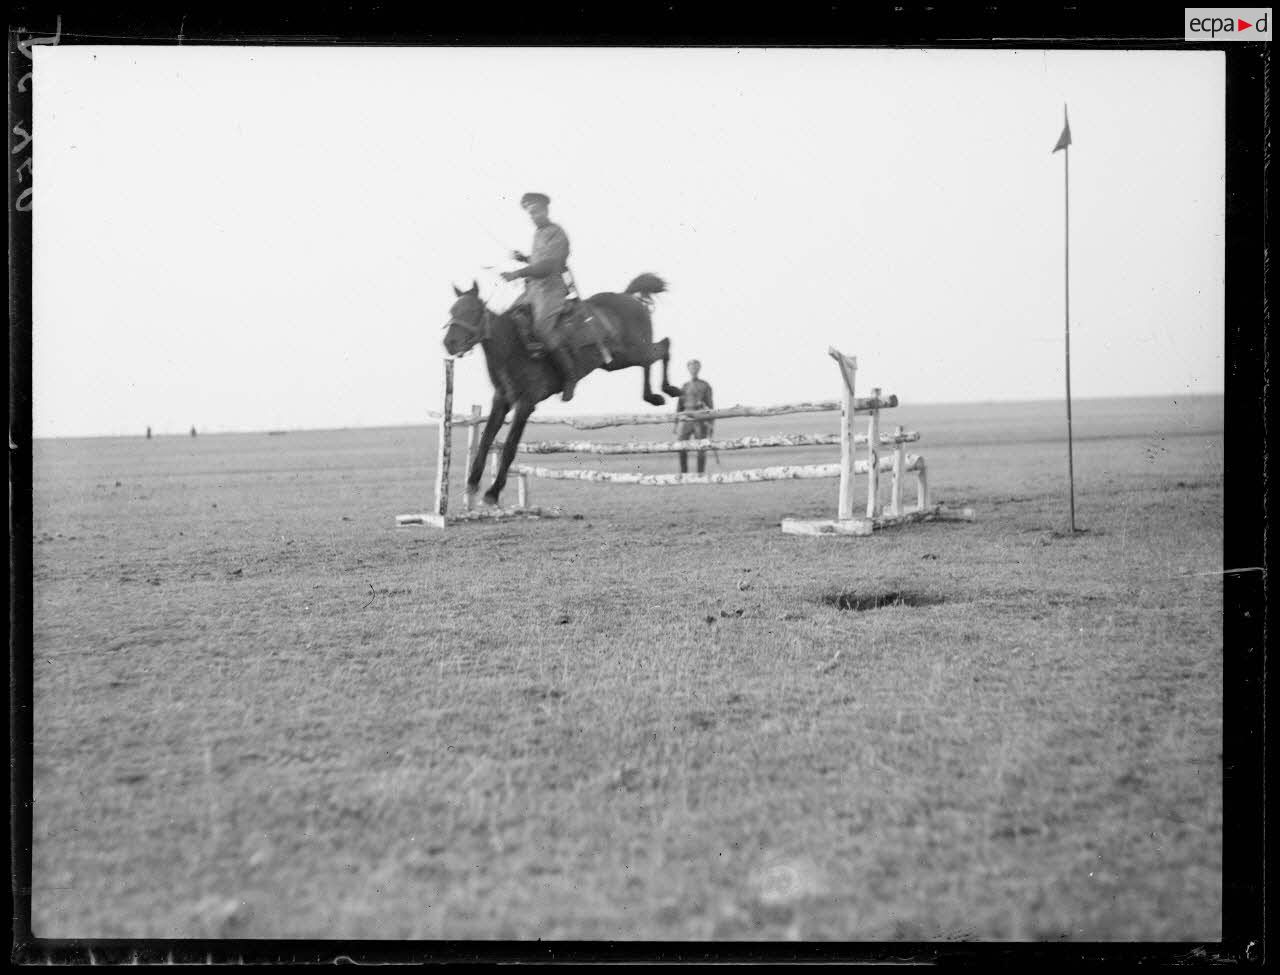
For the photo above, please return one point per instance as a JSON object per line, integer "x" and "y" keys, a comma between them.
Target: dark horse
{"x": 619, "y": 323}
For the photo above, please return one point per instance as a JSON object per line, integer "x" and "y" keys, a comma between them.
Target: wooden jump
{"x": 893, "y": 460}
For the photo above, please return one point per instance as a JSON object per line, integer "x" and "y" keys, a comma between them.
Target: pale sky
{"x": 266, "y": 238}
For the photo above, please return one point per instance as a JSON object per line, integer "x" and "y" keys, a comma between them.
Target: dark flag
{"x": 1064, "y": 140}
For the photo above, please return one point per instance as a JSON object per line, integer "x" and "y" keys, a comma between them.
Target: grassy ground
{"x": 261, "y": 711}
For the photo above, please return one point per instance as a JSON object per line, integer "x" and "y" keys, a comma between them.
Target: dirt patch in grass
{"x": 866, "y": 600}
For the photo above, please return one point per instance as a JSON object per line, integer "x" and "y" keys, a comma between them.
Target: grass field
{"x": 263, "y": 711}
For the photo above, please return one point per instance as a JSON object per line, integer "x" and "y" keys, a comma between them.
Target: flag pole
{"x": 1066, "y": 173}
{"x": 1064, "y": 143}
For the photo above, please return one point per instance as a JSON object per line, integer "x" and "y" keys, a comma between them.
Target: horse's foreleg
{"x": 663, "y": 350}
{"x": 523, "y": 409}
{"x": 497, "y": 415}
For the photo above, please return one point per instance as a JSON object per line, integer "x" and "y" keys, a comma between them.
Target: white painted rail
{"x": 681, "y": 446}
{"x": 781, "y": 473}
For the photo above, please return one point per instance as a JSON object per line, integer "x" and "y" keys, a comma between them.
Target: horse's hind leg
{"x": 650, "y": 397}
{"x": 663, "y": 350}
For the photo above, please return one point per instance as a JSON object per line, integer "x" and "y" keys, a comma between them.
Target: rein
{"x": 481, "y": 330}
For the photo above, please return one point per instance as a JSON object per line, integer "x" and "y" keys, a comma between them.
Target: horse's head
{"x": 466, "y": 324}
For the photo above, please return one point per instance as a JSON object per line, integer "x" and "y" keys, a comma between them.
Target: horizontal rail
{"x": 680, "y": 446}
{"x": 787, "y": 473}
{"x": 864, "y": 405}
{"x": 667, "y": 480}
{"x": 462, "y": 419}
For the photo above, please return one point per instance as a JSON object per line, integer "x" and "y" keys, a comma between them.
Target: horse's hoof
{"x": 653, "y": 399}
{"x": 671, "y": 391}
{"x": 491, "y": 500}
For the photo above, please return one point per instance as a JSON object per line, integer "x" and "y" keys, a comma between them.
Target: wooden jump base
{"x": 894, "y": 461}
{"x": 479, "y": 514}
{"x": 865, "y": 526}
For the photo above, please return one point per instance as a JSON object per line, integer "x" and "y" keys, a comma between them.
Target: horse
{"x": 618, "y": 330}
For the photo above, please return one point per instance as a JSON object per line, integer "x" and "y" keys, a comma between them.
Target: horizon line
{"x": 533, "y": 421}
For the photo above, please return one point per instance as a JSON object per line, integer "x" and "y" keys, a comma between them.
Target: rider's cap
{"x": 535, "y": 198}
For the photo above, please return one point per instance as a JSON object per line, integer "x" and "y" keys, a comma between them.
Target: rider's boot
{"x": 530, "y": 338}
{"x": 564, "y": 363}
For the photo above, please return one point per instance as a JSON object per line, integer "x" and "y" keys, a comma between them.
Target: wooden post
{"x": 445, "y": 446}
{"x": 873, "y": 458}
{"x": 473, "y": 437}
{"x": 522, "y": 490}
{"x": 922, "y": 486}
{"x": 848, "y": 372}
{"x": 899, "y": 457}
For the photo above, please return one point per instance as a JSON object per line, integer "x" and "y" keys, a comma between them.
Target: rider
{"x": 545, "y": 288}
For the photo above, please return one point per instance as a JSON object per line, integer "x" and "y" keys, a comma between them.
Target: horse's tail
{"x": 644, "y": 285}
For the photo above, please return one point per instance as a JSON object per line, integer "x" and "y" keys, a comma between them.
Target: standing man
{"x": 544, "y": 289}
{"x": 694, "y": 395}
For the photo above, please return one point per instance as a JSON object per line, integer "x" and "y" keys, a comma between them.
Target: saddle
{"x": 581, "y": 324}
{"x": 589, "y": 324}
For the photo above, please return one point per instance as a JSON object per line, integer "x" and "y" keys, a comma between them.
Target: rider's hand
{"x": 510, "y": 275}
{"x": 522, "y": 258}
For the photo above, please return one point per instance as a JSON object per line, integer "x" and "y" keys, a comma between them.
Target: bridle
{"x": 476, "y": 331}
